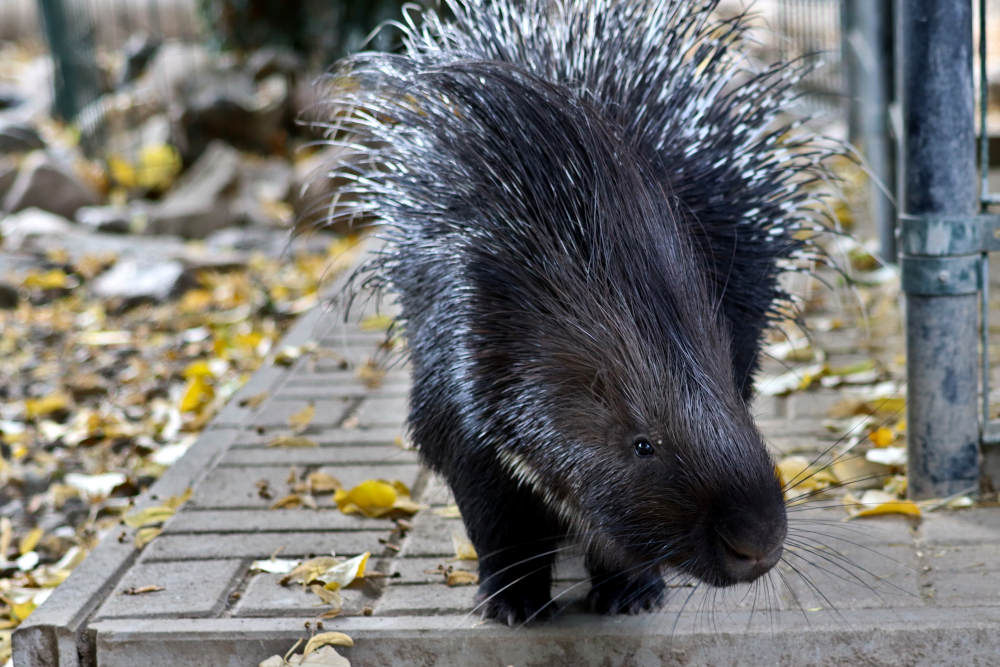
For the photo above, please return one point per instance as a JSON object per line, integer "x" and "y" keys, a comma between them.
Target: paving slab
{"x": 189, "y": 589}
{"x": 239, "y": 486}
{"x": 884, "y": 591}
{"x": 262, "y": 544}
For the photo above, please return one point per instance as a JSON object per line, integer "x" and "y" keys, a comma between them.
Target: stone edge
{"x": 940, "y": 637}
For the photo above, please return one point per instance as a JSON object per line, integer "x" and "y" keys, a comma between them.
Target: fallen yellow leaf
{"x": 342, "y": 574}
{"x": 197, "y": 393}
{"x": 300, "y": 420}
{"x": 21, "y": 610}
{"x": 463, "y": 548}
{"x": 376, "y": 498}
{"x": 158, "y": 165}
{"x": 292, "y": 441}
{"x": 54, "y": 279}
{"x": 29, "y": 541}
{"x": 176, "y": 501}
{"x": 372, "y": 498}
{"x": 882, "y": 437}
{"x": 145, "y": 535}
{"x": 799, "y": 476}
{"x": 46, "y": 405}
{"x": 906, "y": 507}
{"x": 198, "y": 368}
{"x": 376, "y": 323}
{"x": 149, "y": 516}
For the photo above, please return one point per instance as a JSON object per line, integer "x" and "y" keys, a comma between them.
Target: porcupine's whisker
{"x": 791, "y": 591}
{"x": 812, "y": 586}
{"x": 843, "y": 564}
{"x": 820, "y": 547}
{"x": 801, "y": 501}
{"x": 798, "y": 479}
{"x": 497, "y": 592}
{"x": 834, "y": 562}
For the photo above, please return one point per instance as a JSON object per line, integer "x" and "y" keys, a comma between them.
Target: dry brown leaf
{"x": 859, "y": 472}
{"x": 321, "y": 482}
{"x": 255, "y": 401}
{"x": 889, "y": 407}
{"x": 291, "y": 501}
{"x": 308, "y": 571}
{"x": 461, "y": 578}
{"x": 371, "y": 374}
{"x": 328, "y": 596}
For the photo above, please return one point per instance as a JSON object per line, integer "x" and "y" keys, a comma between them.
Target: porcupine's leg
{"x": 630, "y": 591}
{"x": 513, "y": 533}
{"x": 515, "y": 538}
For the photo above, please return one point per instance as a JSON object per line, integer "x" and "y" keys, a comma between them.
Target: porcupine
{"x": 586, "y": 207}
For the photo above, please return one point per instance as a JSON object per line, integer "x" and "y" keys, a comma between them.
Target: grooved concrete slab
{"x": 190, "y": 589}
{"x": 260, "y": 544}
{"x": 880, "y": 592}
{"x": 240, "y": 486}
{"x": 264, "y": 596}
{"x": 266, "y": 520}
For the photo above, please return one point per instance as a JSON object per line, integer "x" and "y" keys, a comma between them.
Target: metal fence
{"x": 811, "y": 29}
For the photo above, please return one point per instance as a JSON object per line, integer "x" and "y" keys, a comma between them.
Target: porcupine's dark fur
{"x": 585, "y": 204}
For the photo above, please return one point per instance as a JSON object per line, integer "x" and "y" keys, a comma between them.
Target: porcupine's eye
{"x": 643, "y": 447}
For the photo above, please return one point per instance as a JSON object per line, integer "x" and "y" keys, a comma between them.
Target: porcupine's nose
{"x": 752, "y": 544}
{"x": 747, "y": 556}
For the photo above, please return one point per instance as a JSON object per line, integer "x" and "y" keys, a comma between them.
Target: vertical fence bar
{"x": 74, "y": 63}
{"x": 867, "y": 49}
{"x": 940, "y": 266}
{"x": 984, "y": 190}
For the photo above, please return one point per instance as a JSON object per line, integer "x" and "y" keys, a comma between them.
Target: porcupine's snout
{"x": 746, "y": 533}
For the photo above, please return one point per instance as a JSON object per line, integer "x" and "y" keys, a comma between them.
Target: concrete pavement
{"x": 875, "y": 592}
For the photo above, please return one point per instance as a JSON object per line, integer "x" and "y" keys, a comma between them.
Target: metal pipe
{"x": 942, "y": 302}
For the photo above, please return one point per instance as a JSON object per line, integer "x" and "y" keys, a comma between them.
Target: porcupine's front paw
{"x": 514, "y": 603}
{"x": 623, "y": 594}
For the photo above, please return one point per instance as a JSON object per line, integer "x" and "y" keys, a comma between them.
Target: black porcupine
{"x": 585, "y": 205}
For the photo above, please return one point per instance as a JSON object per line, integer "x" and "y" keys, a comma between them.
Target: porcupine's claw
{"x": 622, "y": 594}
{"x": 515, "y": 610}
